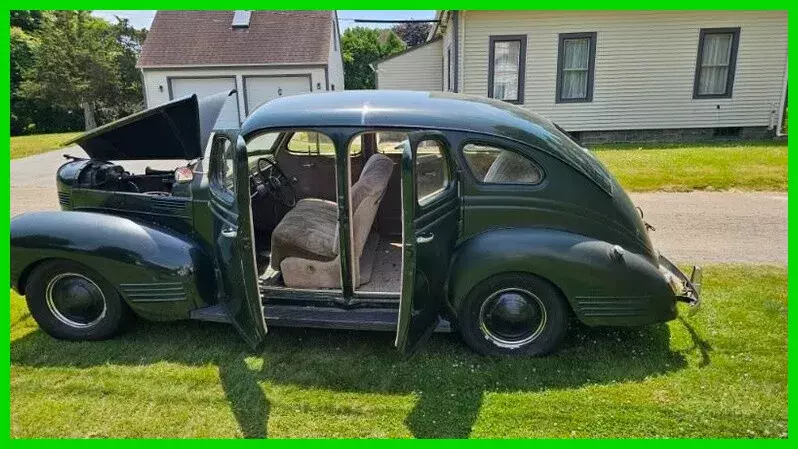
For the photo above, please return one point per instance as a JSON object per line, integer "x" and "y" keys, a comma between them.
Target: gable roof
{"x": 207, "y": 38}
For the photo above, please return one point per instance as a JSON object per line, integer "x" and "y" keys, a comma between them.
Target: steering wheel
{"x": 271, "y": 181}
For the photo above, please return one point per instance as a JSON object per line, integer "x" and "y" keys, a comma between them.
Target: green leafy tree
{"x": 83, "y": 62}
{"x": 27, "y": 19}
{"x": 31, "y": 115}
{"x": 360, "y": 47}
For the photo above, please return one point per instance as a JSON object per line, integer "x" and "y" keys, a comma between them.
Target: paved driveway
{"x": 711, "y": 227}
{"x": 697, "y": 227}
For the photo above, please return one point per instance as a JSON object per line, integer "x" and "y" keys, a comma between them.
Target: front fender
{"x": 160, "y": 274}
{"x": 602, "y": 286}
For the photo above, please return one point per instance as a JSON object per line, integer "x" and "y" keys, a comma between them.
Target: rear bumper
{"x": 687, "y": 290}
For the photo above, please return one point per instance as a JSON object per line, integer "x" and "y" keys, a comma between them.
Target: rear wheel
{"x": 72, "y": 302}
{"x": 514, "y": 313}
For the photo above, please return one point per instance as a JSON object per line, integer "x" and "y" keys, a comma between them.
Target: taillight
{"x": 183, "y": 175}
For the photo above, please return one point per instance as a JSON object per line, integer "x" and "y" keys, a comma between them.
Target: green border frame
{"x": 353, "y": 4}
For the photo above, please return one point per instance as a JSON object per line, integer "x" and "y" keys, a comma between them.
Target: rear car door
{"x": 431, "y": 209}
{"x": 236, "y": 274}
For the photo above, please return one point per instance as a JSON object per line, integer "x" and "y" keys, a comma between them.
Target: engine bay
{"x": 101, "y": 175}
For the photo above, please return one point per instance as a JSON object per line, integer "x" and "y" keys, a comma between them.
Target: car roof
{"x": 426, "y": 110}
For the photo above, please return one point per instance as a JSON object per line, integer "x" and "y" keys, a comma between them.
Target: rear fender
{"x": 160, "y": 274}
{"x": 603, "y": 283}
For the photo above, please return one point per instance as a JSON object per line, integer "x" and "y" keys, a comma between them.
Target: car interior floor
{"x": 380, "y": 265}
{"x": 386, "y": 269}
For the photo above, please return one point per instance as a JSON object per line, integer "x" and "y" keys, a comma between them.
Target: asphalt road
{"x": 716, "y": 227}
{"x": 696, "y": 227}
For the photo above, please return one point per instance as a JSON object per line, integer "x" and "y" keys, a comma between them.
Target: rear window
{"x": 493, "y": 165}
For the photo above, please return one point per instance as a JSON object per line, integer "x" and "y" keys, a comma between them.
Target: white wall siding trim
{"x": 420, "y": 68}
{"x": 644, "y": 68}
{"x": 335, "y": 63}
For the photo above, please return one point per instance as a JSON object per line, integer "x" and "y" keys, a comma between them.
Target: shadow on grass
{"x": 448, "y": 379}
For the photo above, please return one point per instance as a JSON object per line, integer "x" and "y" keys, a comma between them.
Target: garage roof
{"x": 208, "y": 38}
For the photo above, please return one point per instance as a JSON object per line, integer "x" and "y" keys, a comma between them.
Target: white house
{"x": 261, "y": 54}
{"x": 613, "y": 75}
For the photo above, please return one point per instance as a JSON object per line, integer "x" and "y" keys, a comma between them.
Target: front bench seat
{"x": 305, "y": 242}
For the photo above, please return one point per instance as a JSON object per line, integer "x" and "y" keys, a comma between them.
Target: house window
{"x": 506, "y": 56}
{"x": 716, "y": 61}
{"x": 575, "y": 66}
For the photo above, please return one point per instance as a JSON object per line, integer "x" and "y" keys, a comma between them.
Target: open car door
{"x": 430, "y": 207}
{"x": 237, "y": 278}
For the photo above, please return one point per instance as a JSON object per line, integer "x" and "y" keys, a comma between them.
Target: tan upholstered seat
{"x": 309, "y": 230}
{"x": 305, "y": 242}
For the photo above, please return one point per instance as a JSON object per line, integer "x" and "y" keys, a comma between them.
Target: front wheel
{"x": 72, "y": 302}
{"x": 514, "y": 313}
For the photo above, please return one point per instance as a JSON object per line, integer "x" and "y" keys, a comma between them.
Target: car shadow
{"x": 448, "y": 379}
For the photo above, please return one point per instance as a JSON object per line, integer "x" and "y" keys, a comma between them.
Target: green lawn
{"x": 725, "y": 166}
{"x": 721, "y": 373}
{"x": 22, "y": 146}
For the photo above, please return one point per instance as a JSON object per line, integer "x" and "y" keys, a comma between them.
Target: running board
{"x": 214, "y": 314}
{"x": 318, "y": 317}
{"x": 337, "y": 318}
{"x": 331, "y": 317}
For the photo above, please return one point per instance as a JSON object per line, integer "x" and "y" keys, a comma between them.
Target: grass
{"x": 23, "y": 146}
{"x": 720, "y": 373}
{"x": 751, "y": 166}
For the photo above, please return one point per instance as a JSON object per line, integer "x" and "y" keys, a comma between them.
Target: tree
{"x": 85, "y": 62}
{"x": 29, "y": 115}
{"x": 360, "y": 47}
{"x": 412, "y": 33}
{"x": 130, "y": 41}
{"x": 27, "y": 20}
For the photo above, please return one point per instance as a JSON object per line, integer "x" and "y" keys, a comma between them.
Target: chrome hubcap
{"x": 75, "y": 300}
{"x": 512, "y": 318}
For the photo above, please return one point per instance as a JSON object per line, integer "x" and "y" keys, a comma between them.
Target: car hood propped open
{"x": 179, "y": 129}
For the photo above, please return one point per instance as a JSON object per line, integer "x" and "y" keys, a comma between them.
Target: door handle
{"x": 229, "y": 233}
{"x": 309, "y": 165}
{"x": 425, "y": 238}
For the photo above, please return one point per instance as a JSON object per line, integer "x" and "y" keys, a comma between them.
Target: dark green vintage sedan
{"x": 407, "y": 212}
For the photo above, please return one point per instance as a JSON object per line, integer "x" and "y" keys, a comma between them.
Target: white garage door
{"x": 228, "y": 118}
{"x": 260, "y": 89}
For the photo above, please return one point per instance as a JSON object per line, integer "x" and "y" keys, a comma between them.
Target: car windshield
{"x": 263, "y": 143}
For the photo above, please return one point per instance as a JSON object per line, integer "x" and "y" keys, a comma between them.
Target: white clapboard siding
{"x": 420, "y": 68}
{"x": 645, "y": 66}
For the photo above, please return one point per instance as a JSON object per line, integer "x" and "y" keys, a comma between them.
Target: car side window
{"x": 311, "y": 143}
{"x": 494, "y": 165}
{"x": 222, "y": 176}
{"x": 432, "y": 171}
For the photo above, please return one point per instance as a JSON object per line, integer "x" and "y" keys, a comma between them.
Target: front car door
{"x": 236, "y": 275}
{"x": 431, "y": 209}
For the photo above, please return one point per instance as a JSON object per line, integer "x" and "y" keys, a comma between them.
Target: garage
{"x": 181, "y": 87}
{"x": 262, "y": 88}
{"x": 262, "y": 54}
